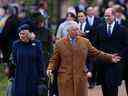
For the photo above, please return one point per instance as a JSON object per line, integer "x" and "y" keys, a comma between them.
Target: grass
{"x": 3, "y": 81}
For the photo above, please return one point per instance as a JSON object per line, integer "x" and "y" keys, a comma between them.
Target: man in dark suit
{"x": 82, "y": 23}
{"x": 88, "y": 31}
{"x": 112, "y": 38}
{"x": 92, "y": 22}
{"x": 120, "y": 17}
{"x": 123, "y": 21}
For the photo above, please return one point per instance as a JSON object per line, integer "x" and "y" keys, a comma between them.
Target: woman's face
{"x": 2, "y": 12}
{"x": 69, "y": 17}
{"x": 81, "y": 17}
{"x": 40, "y": 24}
{"x": 24, "y": 35}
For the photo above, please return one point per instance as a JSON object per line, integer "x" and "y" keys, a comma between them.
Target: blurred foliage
{"x": 74, "y": 1}
{"x": 3, "y": 81}
{"x": 28, "y": 2}
{"x": 54, "y": 6}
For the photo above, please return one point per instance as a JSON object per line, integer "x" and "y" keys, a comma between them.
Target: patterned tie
{"x": 81, "y": 26}
{"x": 109, "y": 31}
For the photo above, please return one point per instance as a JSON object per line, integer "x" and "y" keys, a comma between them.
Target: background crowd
{"x": 107, "y": 30}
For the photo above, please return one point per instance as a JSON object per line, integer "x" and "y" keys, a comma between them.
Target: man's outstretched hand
{"x": 116, "y": 58}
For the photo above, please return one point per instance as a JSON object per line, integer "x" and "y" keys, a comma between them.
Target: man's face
{"x": 109, "y": 16}
{"x": 118, "y": 14}
{"x": 74, "y": 32}
{"x": 90, "y": 11}
{"x": 82, "y": 1}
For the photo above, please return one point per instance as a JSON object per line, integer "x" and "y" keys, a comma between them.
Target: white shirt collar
{"x": 90, "y": 19}
{"x": 112, "y": 26}
{"x": 83, "y": 26}
{"x": 118, "y": 20}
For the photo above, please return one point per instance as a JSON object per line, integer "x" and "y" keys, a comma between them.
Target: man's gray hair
{"x": 72, "y": 24}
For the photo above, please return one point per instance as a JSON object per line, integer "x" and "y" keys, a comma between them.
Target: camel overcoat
{"x": 71, "y": 59}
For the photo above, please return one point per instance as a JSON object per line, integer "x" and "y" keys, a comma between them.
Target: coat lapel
{"x": 114, "y": 29}
{"x": 105, "y": 31}
{"x": 67, "y": 43}
{"x": 70, "y": 46}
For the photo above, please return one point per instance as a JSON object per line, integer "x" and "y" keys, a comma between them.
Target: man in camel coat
{"x": 70, "y": 56}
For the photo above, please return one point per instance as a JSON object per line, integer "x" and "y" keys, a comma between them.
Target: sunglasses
{"x": 81, "y": 16}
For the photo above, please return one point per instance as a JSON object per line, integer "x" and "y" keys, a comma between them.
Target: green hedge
{"x": 3, "y": 81}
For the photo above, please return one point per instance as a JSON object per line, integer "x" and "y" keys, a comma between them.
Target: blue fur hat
{"x": 24, "y": 27}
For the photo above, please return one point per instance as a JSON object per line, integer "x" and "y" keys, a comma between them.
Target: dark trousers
{"x": 109, "y": 91}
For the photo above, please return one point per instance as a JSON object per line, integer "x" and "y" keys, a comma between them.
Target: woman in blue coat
{"x": 27, "y": 55}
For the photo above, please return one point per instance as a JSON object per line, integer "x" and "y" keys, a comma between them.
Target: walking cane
{"x": 50, "y": 82}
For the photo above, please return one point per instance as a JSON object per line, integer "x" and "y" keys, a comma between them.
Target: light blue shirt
{"x": 73, "y": 41}
{"x": 90, "y": 20}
